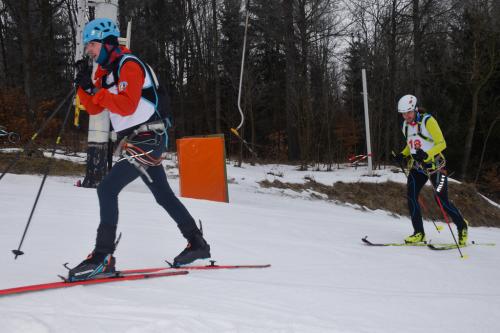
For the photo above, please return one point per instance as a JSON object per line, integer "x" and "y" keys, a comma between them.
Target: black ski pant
{"x": 416, "y": 180}
{"x": 123, "y": 173}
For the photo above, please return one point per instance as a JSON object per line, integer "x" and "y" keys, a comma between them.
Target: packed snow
{"x": 322, "y": 279}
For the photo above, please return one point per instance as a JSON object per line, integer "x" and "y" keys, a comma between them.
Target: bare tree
{"x": 291, "y": 106}
{"x": 483, "y": 64}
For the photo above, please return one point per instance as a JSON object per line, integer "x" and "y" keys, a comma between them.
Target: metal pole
{"x": 242, "y": 70}
{"x": 367, "y": 123}
{"x": 243, "y": 67}
{"x": 129, "y": 34}
{"x": 126, "y": 40}
{"x": 99, "y": 125}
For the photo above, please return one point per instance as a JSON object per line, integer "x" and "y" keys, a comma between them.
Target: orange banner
{"x": 202, "y": 168}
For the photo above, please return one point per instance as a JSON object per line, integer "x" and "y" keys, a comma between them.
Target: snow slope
{"x": 322, "y": 279}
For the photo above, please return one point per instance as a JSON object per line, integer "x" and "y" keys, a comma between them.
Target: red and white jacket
{"x": 123, "y": 99}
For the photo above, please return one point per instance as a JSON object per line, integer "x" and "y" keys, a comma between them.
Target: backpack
{"x": 156, "y": 93}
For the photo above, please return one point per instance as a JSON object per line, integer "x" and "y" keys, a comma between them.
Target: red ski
{"x": 212, "y": 265}
{"x": 121, "y": 276}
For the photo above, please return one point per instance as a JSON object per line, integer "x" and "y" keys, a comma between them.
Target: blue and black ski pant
{"x": 123, "y": 173}
{"x": 416, "y": 180}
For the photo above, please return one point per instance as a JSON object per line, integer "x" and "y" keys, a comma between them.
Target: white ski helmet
{"x": 407, "y": 103}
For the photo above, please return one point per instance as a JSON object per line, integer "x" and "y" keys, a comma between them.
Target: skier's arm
{"x": 439, "y": 142}
{"x": 406, "y": 152}
{"x": 129, "y": 91}
{"x": 86, "y": 100}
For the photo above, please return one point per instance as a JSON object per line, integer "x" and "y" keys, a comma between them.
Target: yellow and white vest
{"x": 417, "y": 135}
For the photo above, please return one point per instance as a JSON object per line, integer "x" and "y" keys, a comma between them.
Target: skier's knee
{"x": 106, "y": 189}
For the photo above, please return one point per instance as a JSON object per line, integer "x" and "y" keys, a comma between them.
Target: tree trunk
{"x": 392, "y": 136}
{"x": 305, "y": 109}
{"x": 479, "y": 79}
{"x": 253, "y": 131}
{"x": 470, "y": 131}
{"x": 216, "y": 69}
{"x": 291, "y": 97}
{"x": 417, "y": 50}
{"x": 27, "y": 55}
{"x": 8, "y": 79}
{"x": 200, "y": 71}
{"x": 490, "y": 129}
{"x": 180, "y": 86}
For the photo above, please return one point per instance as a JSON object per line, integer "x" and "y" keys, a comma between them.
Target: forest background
{"x": 302, "y": 90}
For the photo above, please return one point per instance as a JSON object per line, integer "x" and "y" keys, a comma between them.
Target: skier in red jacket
{"x": 126, "y": 87}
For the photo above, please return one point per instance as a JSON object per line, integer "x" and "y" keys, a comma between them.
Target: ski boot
{"x": 197, "y": 248}
{"x": 463, "y": 234}
{"x": 95, "y": 266}
{"x": 418, "y": 237}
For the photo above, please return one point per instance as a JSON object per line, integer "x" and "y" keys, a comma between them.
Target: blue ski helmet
{"x": 99, "y": 29}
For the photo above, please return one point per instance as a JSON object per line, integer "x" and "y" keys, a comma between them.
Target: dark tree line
{"x": 302, "y": 84}
{"x": 445, "y": 52}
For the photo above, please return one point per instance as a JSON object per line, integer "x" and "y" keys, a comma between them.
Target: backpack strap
{"x": 153, "y": 93}
{"x": 148, "y": 93}
{"x": 420, "y": 134}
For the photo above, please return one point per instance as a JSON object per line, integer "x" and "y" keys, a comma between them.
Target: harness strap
{"x": 437, "y": 165}
{"x": 141, "y": 156}
{"x": 419, "y": 128}
{"x": 139, "y": 167}
{"x": 135, "y": 155}
{"x": 155, "y": 126}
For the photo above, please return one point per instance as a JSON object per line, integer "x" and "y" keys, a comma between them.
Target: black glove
{"x": 83, "y": 79}
{"x": 420, "y": 155}
{"x": 398, "y": 158}
{"x": 84, "y": 76}
{"x": 82, "y": 65}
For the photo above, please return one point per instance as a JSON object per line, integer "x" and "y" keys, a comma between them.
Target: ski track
{"x": 322, "y": 279}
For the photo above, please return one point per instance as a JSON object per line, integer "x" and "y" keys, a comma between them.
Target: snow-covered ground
{"x": 322, "y": 279}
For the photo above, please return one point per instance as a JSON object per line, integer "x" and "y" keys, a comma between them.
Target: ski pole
{"x": 18, "y": 252}
{"x": 34, "y": 136}
{"x": 426, "y": 211}
{"x": 420, "y": 199}
{"x": 438, "y": 200}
